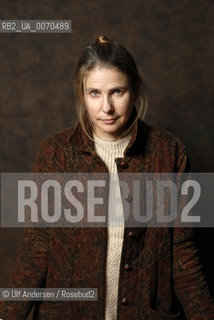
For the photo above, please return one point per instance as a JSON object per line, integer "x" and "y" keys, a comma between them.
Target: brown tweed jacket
{"x": 165, "y": 275}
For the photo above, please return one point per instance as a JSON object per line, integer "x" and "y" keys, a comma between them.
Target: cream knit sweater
{"x": 108, "y": 151}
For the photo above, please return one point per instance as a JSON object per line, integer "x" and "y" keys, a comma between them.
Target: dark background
{"x": 173, "y": 44}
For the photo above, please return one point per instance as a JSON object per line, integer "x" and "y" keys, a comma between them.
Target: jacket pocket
{"x": 54, "y": 311}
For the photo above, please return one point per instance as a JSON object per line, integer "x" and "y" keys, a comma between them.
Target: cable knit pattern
{"x": 108, "y": 151}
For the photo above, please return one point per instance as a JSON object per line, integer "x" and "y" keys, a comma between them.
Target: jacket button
{"x": 129, "y": 199}
{"x": 127, "y": 267}
{"x": 124, "y": 165}
{"x": 131, "y": 235}
{"x": 125, "y": 301}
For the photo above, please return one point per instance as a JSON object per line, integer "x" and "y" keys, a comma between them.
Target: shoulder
{"x": 164, "y": 148}
{"x": 161, "y": 139}
{"x": 50, "y": 148}
{"x": 58, "y": 140}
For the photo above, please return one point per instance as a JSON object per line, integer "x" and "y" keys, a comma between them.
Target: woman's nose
{"x": 107, "y": 105}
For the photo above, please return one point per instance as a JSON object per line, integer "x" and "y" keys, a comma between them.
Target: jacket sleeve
{"x": 32, "y": 263}
{"x": 189, "y": 281}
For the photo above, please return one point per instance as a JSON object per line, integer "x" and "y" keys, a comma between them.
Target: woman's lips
{"x": 109, "y": 121}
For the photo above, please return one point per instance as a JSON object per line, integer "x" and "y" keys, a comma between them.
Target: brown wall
{"x": 173, "y": 44}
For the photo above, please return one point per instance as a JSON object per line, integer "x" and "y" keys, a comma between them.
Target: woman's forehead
{"x": 105, "y": 77}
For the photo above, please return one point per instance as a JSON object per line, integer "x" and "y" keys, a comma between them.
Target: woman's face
{"x": 109, "y": 101}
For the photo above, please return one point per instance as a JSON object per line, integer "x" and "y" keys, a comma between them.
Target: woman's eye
{"x": 94, "y": 93}
{"x": 118, "y": 92}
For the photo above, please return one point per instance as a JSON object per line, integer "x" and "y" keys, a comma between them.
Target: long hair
{"x": 107, "y": 53}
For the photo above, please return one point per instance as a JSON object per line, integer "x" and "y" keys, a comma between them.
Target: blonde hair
{"x": 107, "y": 53}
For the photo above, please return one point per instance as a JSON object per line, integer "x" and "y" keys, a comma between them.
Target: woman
{"x": 140, "y": 273}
